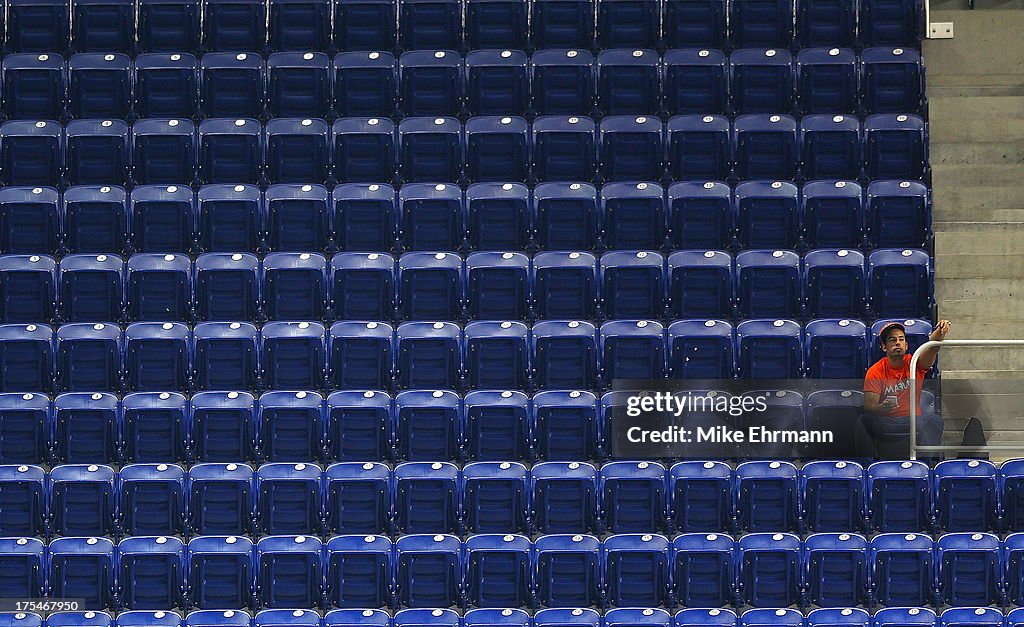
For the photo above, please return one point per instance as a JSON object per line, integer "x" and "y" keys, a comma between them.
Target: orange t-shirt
{"x": 885, "y": 380}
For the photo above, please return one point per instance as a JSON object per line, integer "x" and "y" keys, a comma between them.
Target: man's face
{"x": 895, "y": 344}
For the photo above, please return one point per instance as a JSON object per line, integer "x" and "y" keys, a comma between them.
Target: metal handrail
{"x": 914, "y": 448}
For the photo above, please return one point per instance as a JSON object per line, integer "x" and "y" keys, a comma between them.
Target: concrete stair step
{"x": 976, "y": 132}
{"x": 959, "y": 108}
{"x": 949, "y": 226}
{"x": 979, "y": 312}
{"x": 976, "y": 202}
{"x": 974, "y": 174}
{"x": 985, "y": 41}
{"x": 980, "y": 153}
{"x": 985, "y": 358}
{"x": 961, "y": 85}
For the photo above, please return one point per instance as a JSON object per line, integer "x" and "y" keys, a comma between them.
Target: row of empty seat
{"x": 442, "y": 150}
{"x": 222, "y": 25}
{"x": 486, "y": 82}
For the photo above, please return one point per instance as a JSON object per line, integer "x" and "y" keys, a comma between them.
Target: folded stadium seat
{"x": 166, "y": 85}
{"x": 24, "y": 561}
{"x": 495, "y": 426}
{"x": 81, "y": 619}
{"x": 831, "y": 146}
{"x": 702, "y": 569}
{"x": 85, "y": 431}
{"x": 227, "y": 286}
{"x": 289, "y": 571}
{"x": 567, "y": 574}
{"x": 969, "y": 569}
{"x": 349, "y": 617}
{"x": 836, "y": 349}
{"x": 481, "y": 617}
{"x": 218, "y": 618}
{"x": 631, "y": 148}
{"x": 899, "y": 496}
{"x": 151, "y": 501}
{"x": 765, "y": 146}
{"x": 297, "y": 217}
{"x": 91, "y": 287}
{"x": 834, "y": 617}
{"x": 294, "y": 286}
{"x": 831, "y": 493}
{"x": 364, "y": 25}
{"x": 33, "y": 86}
{"x": 221, "y": 426}
{"x": 836, "y": 572}
{"x": 430, "y": 25}
{"x": 38, "y": 25}
{"x": 157, "y": 356}
{"x": 163, "y": 151}
{"x": 225, "y": 356}
{"x": 965, "y": 497}
{"x": 23, "y": 502}
{"x": 82, "y": 499}
{"x": 577, "y": 617}
{"x": 768, "y": 570}
{"x": 1015, "y": 617}
{"x": 289, "y": 500}
{"x": 900, "y": 283}
{"x": 562, "y": 24}
{"x": 700, "y": 286}
{"x": 300, "y": 25}
{"x": 363, "y": 218}
{"x": 701, "y": 215}
{"x": 767, "y": 215}
{"x": 495, "y": 497}
{"x": 428, "y": 572}
{"x": 230, "y": 151}
{"x": 693, "y": 617}
{"x": 148, "y": 618}
{"x": 838, "y": 411}
{"x": 769, "y": 349}
{"x": 411, "y": 617}
{"x": 294, "y": 357}
{"x": 103, "y": 25}
{"x": 497, "y": 355}
{"x": 358, "y": 495}
{"x": 234, "y": 25}
{"x": 437, "y": 417}
{"x": 565, "y": 216}
{"x": 695, "y": 81}
{"x": 628, "y": 24}
{"x": 632, "y": 215}
{"x": 153, "y": 427}
{"x": 783, "y": 411}
{"x": 95, "y": 219}
{"x": 232, "y": 85}
{"x": 88, "y": 357}
{"x": 1012, "y": 554}
{"x": 632, "y": 496}
{"x": 896, "y": 147}
{"x": 498, "y": 571}
{"x": 898, "y": 214}
{"x": 893, "y": 81}
{"x": 290, "y": 426}
{"x": 562, "y": 81}
{"x": 564, "y": 497}
{"x": 361, "y": 357}
{"x": 632, "y": 285}
{"x": 431, "y": 286}
{"x": 82, "y": 568}
{"x": 627, "y": 80}
{"x": 496, "y": 81}
{"x": 971, "y": 617}
{"x": 902, "y": 569}
{"x": 768, "y": 283}
{"x": 220, "y": 573}
{"x": 26, "y": 364}
{"x": 428, "y": 355}
{"x": 497, "y": 149}
{"x": 497, "y": 286}
{"x": 359, "y": 571}
{"x": 762, "y": 80}
{"x": 297, "y": 150}
{"x": 636, "y": 570}
{"x": 826, "y": 24}
{"x": 25, "y": 420}
{"x": 220, "y": 500}
{"x": 99, "y": 85}
{"x": 97, "y": 152}
{"x": 365, "y": 83}
{"x": 498, "y": 216}
{"x": 565, "y": 426}
{"x": 832, "y": 214}
{"x": 699, "y": 149}
{"x": 426, "y": 497}
{"x": 890, "y": 23}
{"x": 826, "y": 80}
{"x": 287, "y": 618}
{"x": 564, "y": 355}
{"x": 31, "y": 153}
{"x": 228, "y": 216}
{"x": 430, "y": 149}
{"x": 430, "y": 83}
{"x": 767, "y": 497}
{"x": 701, "y": 349}
{"x": 761, "y": 23}
{"x": 168, "y": 25}
{"x": 159, "y": 288}
{"x": 564, "y": 149}
{"x": 1010, "y": 483}
{"x": 162, "y": 218}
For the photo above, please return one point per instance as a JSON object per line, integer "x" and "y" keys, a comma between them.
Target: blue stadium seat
{"x": 290, "y": 427}
{"x": 166, "y": 85}
{"x": 567, "y": 572}
{"x": 902, "y": 569}
{"x": 694, "y": 24}
{"x": 287, "y": 618}
{"x": 23, "y": 561}
{"x": 1010, "y": 482}
{"x": 230, "y": 151}
{"x": 430, "y": 25}
{"x": 430, "y": 83}
{"x": 564, "y": 355}
{"x": 431, "y": 286}
{"x": 234, "y": 25}
{"x": 632, "y": 496}
{"x": 38, "y": 25}
{"x": 632, "y": 215}
{"x": 297, "y": 150}
{"x": 965, "y": 496}
{"x": 1014, "y": 618}
{"x": 82, "y": 500}
{"x": 80, "y": 619}
{"x": 765, "y": 146}
{"x": 91, "y": 287}
{"x": 289, "y": 571}
{"x": 228, "y": 216}
{"x": 428, "y": 355}
{"x": 632, "y": 349}
{"x": 562, "y": 81}
{"x": 836, "y": 617}
{"x": 564, "y": 497}
{"x": 298, "y": 85}
{"x": 361, "y": 356}
{"x": 896, "y": 147}
{"x": 218, "y": 618}
{"x": 699, "y": 149}
{"x": 436, "y": 417}
{"x": 430, "y": 217}
{"x": 294, "y": 286}
{"x": 564, "y": 149}
{"x": 99, "y": 85}
{"x": 578, "y": 617}
{"x": 498, "y": 216}
{"x": 428, "y": 571}
{"x": 701, "y": 349}
{"x": 498, "y": 570}
{"x": 969, "y": 570}
{"x": 496, "y": 24}
{"x": 822, "y": 23}
{"x": 359, "y": 499}
{"x": 636, "y": 570}
{"x": 761, "y": 79}
{"x": 496, "y": 80}
{"x": 971, "y": 617}
{"x": 898, "y": 214}
{"x": 899, "y": 496}
{"x": 632, "y": 285}
{"x": 700, "y": 285}
{"x": 1011, "y": 562}
{"x": 300, "y": 25}
{"x": 497, "y": 149}
{"x": 627, "y": 81}
{"x": 411, "y": 617}
{"x": 767, "y": 497}
{"x": 768, "y": 283}
{"x": 297, "y": 217}
{"x": 24, "y": 428}
{"x": 151, "y": 572}
{"x": 225, "y": 356}
{"x": 702, "y": 569}
{"x": 631, "y": 148}
{"x": 157, "y": 356}
{"x": 695, "y": 81}
{"x": 838, "y": 411}
{"x": 565, "y": 425}
{"x": 85, "y": 428}
{"x": 363, "y": 220}
{"x": 831, "y": 146}
{"x": 836, "y": 349}
{"x": 565, "y": 285}
{"x": 430, "y": 149}
{"x": 783, "y": 411}
{"x": 159, "y": 287}
{"x": 826, "y": 79}
{"x": 767, "y": 216}
{"x": 701, "y": 215}
{"x": 359, "y": 571}
{"x": 31, "y": 153}
{"x": 227, "y": 286}
{"x": 890, "y": 22}
{"x": 497, "y": 355}
{"x": 161, "y": 219}
{"x": 836, "y": 575}
{"x": 365, "y": 25}
{"x": 26, "y": 362}
{"x": 900, "y": 283}
{"x": 495, "y": 425}
{"x": 768, "y": 570}
{"x": 365, "y": 83}
{"x": 832, "y": 214}
{"x": 22, "y": 502}
{"x": 495, "y": 497}
{"x": 565, "y": 216}
{"x": 482, "y": 617}
{"x": 97, "y": 152}
{"x": 761, "y": 23}
{"x": 88, "y": 357}
{"x": 33, "y": 86}
{"x": 893, "y": 81}
{"x": 164, "y": 151}
{"x": 628, "y": 24}
{"x": 363, "y": 286}
{"x": 82, "y": 568}
{"x": 562, "y": 24}
{"x": 831, "y": 493}
{"x": 289, "y": 499}
{"x": 693, "y": 617}
{"x": 220, "y": 500}
{"x": 232, "y": 85}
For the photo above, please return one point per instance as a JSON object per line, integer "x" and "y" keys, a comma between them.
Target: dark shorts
{"x": 888, "y": 437}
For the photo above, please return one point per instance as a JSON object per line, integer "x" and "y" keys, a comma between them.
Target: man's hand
{"x": 886, "y": 406}
{"x": 940, "y": 331}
